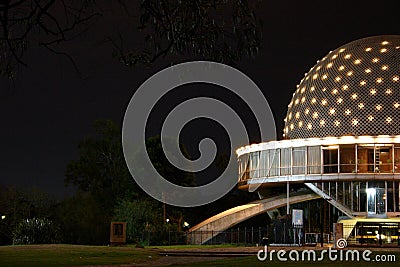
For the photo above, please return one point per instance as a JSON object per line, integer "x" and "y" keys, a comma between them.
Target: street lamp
{"x": 185, "y": 224}
{"x": 3, "y": 217}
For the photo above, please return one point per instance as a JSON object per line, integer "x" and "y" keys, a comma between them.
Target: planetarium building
{"x": 341, "y": 142}
{"x": 341, "y": 135}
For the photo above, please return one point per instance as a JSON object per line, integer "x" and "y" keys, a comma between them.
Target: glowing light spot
{"x": 378, "y": 107}
{"x": 385, "y": 67}
{"x": 324, "y": 76}
{"x": 385, "y": 43}
{"x": 354, "y": 96}
{"x": 339, "y": 100}
{"x": 334, "y": 91}
{"x": 300, "y": 124}
{"x": 332, "y": 111}
{"x": 347, "y": 56}
{"x": 303, "y": 89}
{"x": 315, "y": 115}
{"x": 370, "y": 118}
{"x": 322, "y": 122}
{"x": 338, "y": 79}
{"x": 309, "y": 126}
{"x": 329, "y": 65}
{"x": 341, "y": 50}
{"x": 383, "y": 50}
{"x": 361, "y": 105}
{"x": 347, "y": 112}
{"x": 368, "y": 70}
{"x": 334, "y": 56}
{"x": 396, "y": 105}
{"x": 372, "y": 91}
{"x": 357, "y": 61}
{"x": 368, "y": 49}
{"x": 379, "y": 80}
{"x": 313, "y": 101}
{"x": 341, "y": 68}
{"x": 303, "y": 99}
{"x": 312, "y": 89}
{"x": 389, "y": 119}
{"x": 306, "y": 111}
{"x": 324, "y": 89}
{"x": 290, "y": 115}
{"x": 297, "y": 115}
{"x": 395, "y": 78}
{"x": 388, "y": 91}
{"x": 345, "y": 87}
{"x": 291, "y": 126}
{"x": 349, "y": 73}
{"x": 324, "y": 102}
{"x": 354, "y": 122}
{"x": 315, "y": 76}
{"x": 375, "y": 60}
{"x": 362, "y": 83}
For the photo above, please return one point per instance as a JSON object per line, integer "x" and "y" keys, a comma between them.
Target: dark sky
{"x": 49, "y": 108}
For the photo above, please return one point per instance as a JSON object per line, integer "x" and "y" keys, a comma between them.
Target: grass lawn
{"x": 72, "y": 255}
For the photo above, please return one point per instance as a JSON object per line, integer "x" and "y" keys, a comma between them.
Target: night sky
{"x": 48, "y": 109}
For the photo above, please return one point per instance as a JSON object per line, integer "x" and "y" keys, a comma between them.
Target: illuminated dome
{"x": 354, "y": 90}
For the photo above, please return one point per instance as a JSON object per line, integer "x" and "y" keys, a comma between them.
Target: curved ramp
{"x": 204, "y": 231}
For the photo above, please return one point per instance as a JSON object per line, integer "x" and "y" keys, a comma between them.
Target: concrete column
{"x": 337, "y": 233}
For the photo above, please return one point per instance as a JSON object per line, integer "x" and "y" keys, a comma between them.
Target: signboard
{"x": 297, "y": 217}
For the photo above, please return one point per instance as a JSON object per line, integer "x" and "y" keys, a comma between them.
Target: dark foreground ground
{"x": 72, "y": 255}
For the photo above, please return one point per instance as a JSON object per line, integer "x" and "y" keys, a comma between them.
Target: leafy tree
{"x": 36, "y": 231}
{"x": 25, "y": 24}
{"x": 101, "y": 169}
{"x": 217, "y": 30}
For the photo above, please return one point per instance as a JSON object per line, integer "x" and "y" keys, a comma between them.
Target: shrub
{"x": 36, "y": 231}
